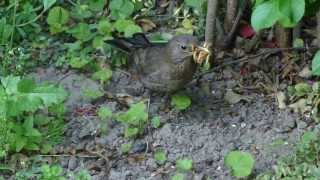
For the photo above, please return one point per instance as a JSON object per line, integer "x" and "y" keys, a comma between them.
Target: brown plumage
{"x": 161, "y": 67}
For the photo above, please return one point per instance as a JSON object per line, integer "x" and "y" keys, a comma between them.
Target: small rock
{"x": 72, "y": 164}
{"x": 138, "y": 147}
{"x": 305, "y": 72}
{"x": 151, "y": 164}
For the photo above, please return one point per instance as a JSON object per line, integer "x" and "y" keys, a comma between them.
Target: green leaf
{"x": 97, "y": 5}
{"x": 57, "y": 18}
{"x": 98, "y": 42}
{"x": 5, "y": 31}
{"x": 121, "y": 9}
{"x": 104, "y": 27}
{"x": 104, "y": 112}
{"x": 103, "y": 75}
{"x": 48, "y": 4}
{"x": 81, "y": 32}
{"x": 291, "y": 12}
{"x": 155, "y": 122}
{"x": 19, "y": 143}
{"x": 125, "y": 148}
{"x": 31, "y": 147}
{"x": 265, "y": 15}
{"x": 194, "y": 3}
{"x": 160, "y": 156}
{"x": 184, "y": 164}
{"x": 180, "y": 101}
{"x": 26, "y": 85}
{"x": 302, "y": 89}
{"x": 135, "y": 116}
{"x": 178, "y": 176}
{"x": 316, "y": 64}
{"x": 131, "y": 132}
{"x": 127, "y": 27}
{"x": 78, "y": 62}
{"x": 240, "y": 163}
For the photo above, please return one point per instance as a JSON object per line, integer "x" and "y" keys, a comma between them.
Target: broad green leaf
{"x": 291, "y": 12}
{"x": 184, "y": 164}
{"x": 265, "y": 15}
{"x": 104, "y": 112}
{"x": 160, "y": 157}
{"x": 240, "y": 163}
{"x": 48, "y": 4}
{"x": 81, "y": 12}
{"x": 81, "y": 32}
{"x": 181, "y": 101}
{"x": 10, "y": 84}
{"x": 316, "y": 64}
{"x": 132, "y": 29}
{"x": 194, "y": 3}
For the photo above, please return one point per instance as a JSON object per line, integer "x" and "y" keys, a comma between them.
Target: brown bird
{"x": 165, "y": 67}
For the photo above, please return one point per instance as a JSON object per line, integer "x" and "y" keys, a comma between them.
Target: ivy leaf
{"x": 57, "y": 18}
{"x": 81, "y": 32}
{"x": 131, "y": 132}
{"x": 240, "y": 163}
{"x": 184, "y": 164}
{"x": 48, "y": 4}
{"x": 265, "y": 15}
{"x": 316, "y": 64}
{"x": 292, "y": 11}
{"x": 181, "y": 101}
{"x": 302, "y": 89}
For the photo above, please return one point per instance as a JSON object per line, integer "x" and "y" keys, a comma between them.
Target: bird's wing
{"x": 138, "y": 40}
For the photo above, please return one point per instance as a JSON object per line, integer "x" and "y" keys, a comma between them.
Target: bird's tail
{"x": 138, "y": 40}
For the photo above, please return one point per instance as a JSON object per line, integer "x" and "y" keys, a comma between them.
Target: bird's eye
{"x": 183, "y": 47}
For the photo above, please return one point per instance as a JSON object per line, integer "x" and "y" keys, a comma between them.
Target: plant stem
{"x": 13, "y": 23}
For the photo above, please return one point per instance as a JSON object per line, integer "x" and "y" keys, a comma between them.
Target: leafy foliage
{"x": 267, "y": 12}
{"x": 302, "y": 163}
{"x": 160, "y": 156}
{"x": 184, "y": 164}
{"x": 240, "y": 163}
{"x": 180, "y": 101}
{"x": 134, "y": 119}
{"x": 23, "y": 131}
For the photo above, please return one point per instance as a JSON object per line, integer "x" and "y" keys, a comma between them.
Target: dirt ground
{"x": 205, "y": 132}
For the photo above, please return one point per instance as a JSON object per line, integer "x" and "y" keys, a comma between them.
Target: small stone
{"x": 72, "y": 164}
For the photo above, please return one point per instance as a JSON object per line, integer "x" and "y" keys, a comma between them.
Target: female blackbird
{"x": 165, "y": 67}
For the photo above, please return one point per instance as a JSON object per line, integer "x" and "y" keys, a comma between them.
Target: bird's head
{"x": 180, "y": 48}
